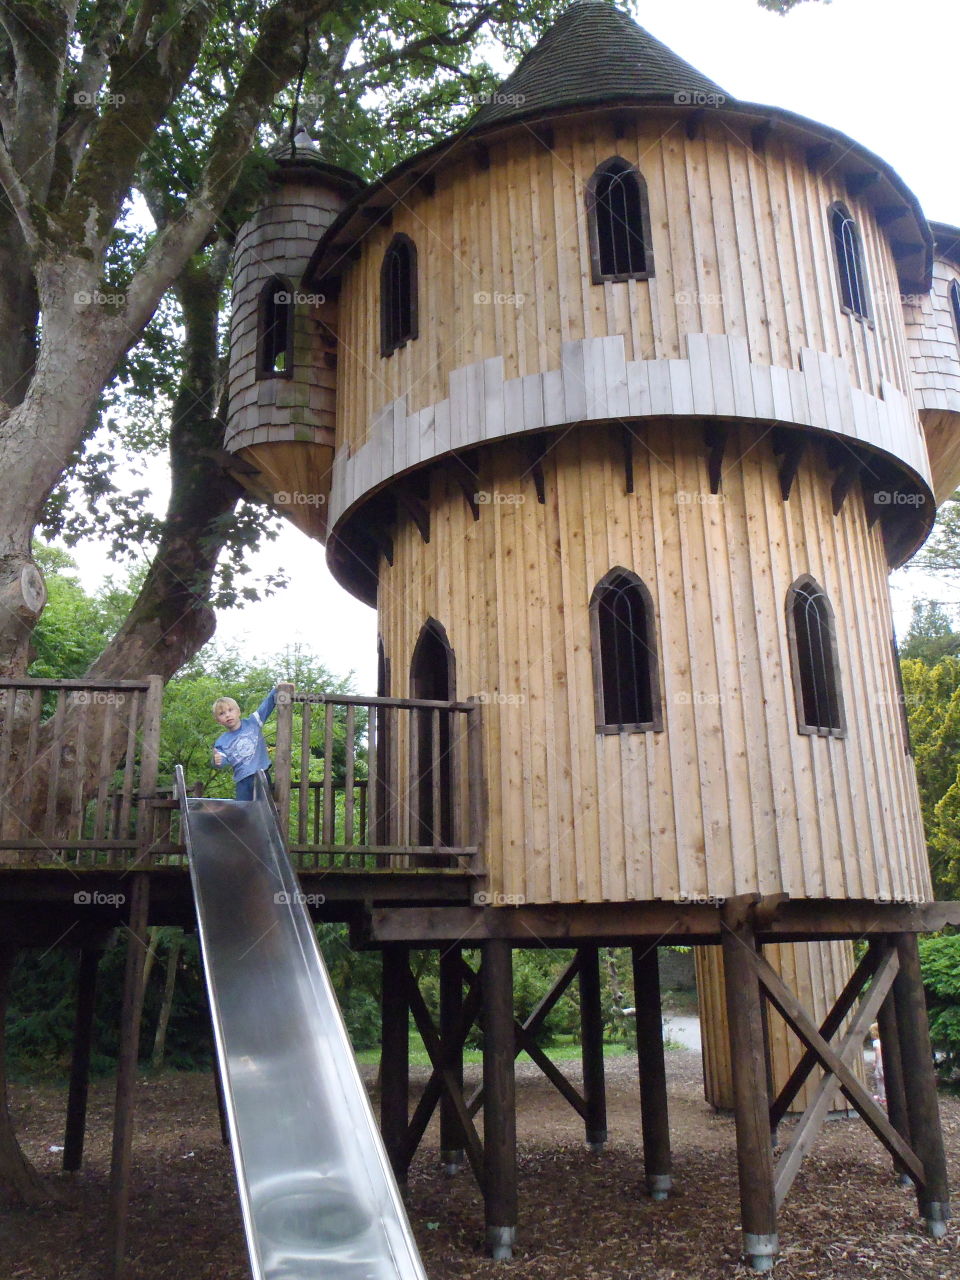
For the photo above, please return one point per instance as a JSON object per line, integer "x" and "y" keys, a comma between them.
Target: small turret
{"x": 280, "y": 420}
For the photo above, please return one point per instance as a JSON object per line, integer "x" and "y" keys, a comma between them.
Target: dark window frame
{"x": 815, "y": 681}
{"x": 651, "y": 675}
{"x": 399, "y": 317}
{"x": 618, "y": 166}
{"x": 267, "y": 313}
{"x": 851, "y": 268}
{"x": 953, "y": 294}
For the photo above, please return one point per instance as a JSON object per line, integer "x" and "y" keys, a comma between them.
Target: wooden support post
{"x": 395, "y": 1056}
{"x": 130, "y": 1011}
{"x": 76, "y": 1125}
{"x": 653, "y": 1074}
{"x": 591, "y": 1045}
{"x": 451, "y": 1004}
{"x": 499, "y": 1099}
{"x": 893, "y": 1080}
{"x": 920, "y": 1086}
{"x": 758, "y": 1212}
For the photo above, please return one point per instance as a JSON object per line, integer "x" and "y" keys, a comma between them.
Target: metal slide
{"x": 317, "y": 1193}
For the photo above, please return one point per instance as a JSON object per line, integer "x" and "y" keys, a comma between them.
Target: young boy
{"x": 242, "y": 746}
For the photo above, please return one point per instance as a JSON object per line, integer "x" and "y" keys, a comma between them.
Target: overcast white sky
{"x": 882, "y": 71}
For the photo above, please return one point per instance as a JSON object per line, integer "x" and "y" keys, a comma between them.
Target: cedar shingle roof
{"x": 593, "y": 53}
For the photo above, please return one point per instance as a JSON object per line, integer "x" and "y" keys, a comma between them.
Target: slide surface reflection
{"x": 316, "y": 1189}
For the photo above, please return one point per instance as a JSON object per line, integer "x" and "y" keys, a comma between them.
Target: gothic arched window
{"x": 398, "y": 295}
{"x": 955, "y": 305}
{"x": 853, "y": 279}
{"x": 625, "y": 675}
{"x": 619, "y": 222}
{"x": 816, "y": 672}
{"x": 275, "y": 329}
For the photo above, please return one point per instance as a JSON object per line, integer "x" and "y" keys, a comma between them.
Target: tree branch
{"x": 79, "y": 110}
{"x": 273, "y": 61}
{"x": 19, "y": 198}
{"x": 423, "y": 44}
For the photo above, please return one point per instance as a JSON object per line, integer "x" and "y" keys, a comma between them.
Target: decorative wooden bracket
{"x": 692, "y": 123}
{"x": 626, "y": 439}
{"x": 465, "y": 476}
{"x": 537, "y": 447}
{"x": 818, "y": 153}
{"x": 759, "y": 135}
{"x": 858, "y": 183}
{"x": 847, "y": 473}
{"x": 789, "y": 446}
{"x": 715, "y": 438}
{"x": 382, "y": 541}
{"x": 415, "y": 507}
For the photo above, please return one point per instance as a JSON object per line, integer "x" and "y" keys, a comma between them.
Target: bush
{"x": 940, "y": 966}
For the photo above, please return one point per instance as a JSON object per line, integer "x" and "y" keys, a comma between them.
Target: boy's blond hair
{"x": 221, "y": 703}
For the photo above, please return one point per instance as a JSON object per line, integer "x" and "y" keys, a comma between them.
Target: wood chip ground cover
{"x": 583, "y": 1216}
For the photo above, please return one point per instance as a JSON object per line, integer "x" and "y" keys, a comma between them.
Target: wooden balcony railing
{"x": 379, "y": 782}
{"x": 361, "y": 783}
{"x": 78, "y": 770}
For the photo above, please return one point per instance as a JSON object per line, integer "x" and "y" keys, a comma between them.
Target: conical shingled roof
{"x": 594, "y": 53}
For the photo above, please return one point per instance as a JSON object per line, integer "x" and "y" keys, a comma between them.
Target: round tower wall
{"x": 299, "y": 409}
{"x": 741, "y": 318}
{"x": 730, "y": 797}
{"x": 933, "y": 339}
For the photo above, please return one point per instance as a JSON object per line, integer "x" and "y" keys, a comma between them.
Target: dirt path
{"x": 583, "y": 1216}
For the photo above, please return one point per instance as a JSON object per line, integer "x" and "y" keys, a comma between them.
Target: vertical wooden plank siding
{"x": 730, "y": 798}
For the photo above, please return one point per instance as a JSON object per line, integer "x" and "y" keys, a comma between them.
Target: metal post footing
{"x": 596, "y": 1138}
{"x": 500, "y": 1242}
{"x": 659, "y": 1186}
{"x": 935, "y": 1219}
{"x": 760, "y": 1251}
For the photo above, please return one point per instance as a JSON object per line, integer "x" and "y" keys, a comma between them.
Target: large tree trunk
{"x": 18, "y": 1178}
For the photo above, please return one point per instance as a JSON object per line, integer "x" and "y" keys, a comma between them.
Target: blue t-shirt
{"x": 244, "y": 748}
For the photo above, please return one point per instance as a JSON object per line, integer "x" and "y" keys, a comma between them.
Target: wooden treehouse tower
{"x": 619, "y": 405}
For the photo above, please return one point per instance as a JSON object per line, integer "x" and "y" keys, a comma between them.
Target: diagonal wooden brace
{"x": 791, "y": 1010}
{"x": 810, "y": 1124}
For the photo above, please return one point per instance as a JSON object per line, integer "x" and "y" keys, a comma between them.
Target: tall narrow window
{"x": 619, "y": 223}
{"x": 275, "y": 329}
{"x": 626, "y": 684}
{"x": 846, "y": 244}
{"x": 398, "y": 295}
{"x": 432, "y": 677}
{"x": 816, "y": 677}
{"x": 955, "y": 305}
